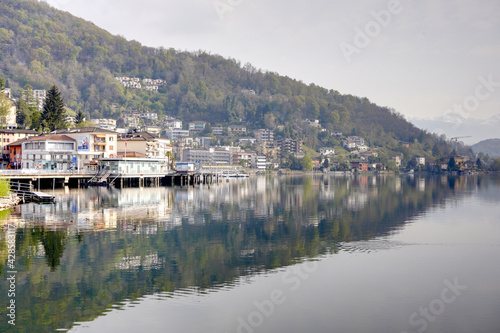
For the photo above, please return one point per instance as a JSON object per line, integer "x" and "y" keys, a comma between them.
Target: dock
{"x": 27, "y": 193}
{"x": 42, "y": 197}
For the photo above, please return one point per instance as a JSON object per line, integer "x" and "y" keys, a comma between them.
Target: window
{"x": 110, "y": 138}
{"x": 111, "y": 148}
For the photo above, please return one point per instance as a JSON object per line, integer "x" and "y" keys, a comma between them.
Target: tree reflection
{"x": 204, "y": 238}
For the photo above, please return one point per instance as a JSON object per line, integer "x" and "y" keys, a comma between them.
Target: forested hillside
{"x": 42, "y": 46}
{"x": 490, "y": 147}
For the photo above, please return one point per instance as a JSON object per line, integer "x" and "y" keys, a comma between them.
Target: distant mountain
{"x": 490, "y": 147}
{"x": 454, "y": 125}
{"x": 42, "y": 46}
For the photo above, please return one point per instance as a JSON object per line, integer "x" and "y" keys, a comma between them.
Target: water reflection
{"x": 95, "y": 248}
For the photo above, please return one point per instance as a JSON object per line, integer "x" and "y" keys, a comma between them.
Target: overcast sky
{"x": 423, "y": 58}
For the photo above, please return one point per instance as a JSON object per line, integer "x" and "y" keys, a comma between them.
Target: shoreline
{"x": 9, "y": 202}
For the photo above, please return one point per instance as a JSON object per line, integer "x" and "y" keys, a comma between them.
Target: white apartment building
{"x": 49, "y": 152}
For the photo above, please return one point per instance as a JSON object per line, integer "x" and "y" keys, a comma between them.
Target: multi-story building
{"x": 108, "y": 124}
{"x": 259, "y": 162}
{"x": 210, "y": 156}
{"x": 243, "y": 158}
{"x": 151, "y": 145}
{"x": 93, "y": 143}
{"x": 151, "y": 129}
{"x": 397, "y": 160}
{"x": 289, "y": 146}
{"x": 198, "y": 155}
{"x": 359, "y": 141}
{"x": 8, "y": 120}
{"x": 247, "y": 140}
{"x": 15, "y": 154}
{"x": 49, "y": 152}
{"x": 197, "y": 126}
{"x": 149, "y": 115}
{"x": 8, "y": 136}
{"x": 205, "y": 141}
{"x": 173, "y": 123}
{"x": 237, "y": 129}
{"x": 38, "y": 97}
{"x": 327, "y": 151}
{"x": 264, "y": 135}
{"x": 420, "y": 160}
{"x": 217, "y": 130}
{"x": 176, "y": 134}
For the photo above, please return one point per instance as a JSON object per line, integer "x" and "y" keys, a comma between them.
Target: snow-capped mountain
{"x": 455, "y": 125}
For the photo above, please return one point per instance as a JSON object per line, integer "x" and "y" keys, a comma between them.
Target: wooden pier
{"x": 37, "y": 182}
{"x": 27, "y": 193}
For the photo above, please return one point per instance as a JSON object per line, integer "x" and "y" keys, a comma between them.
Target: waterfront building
{"x": 8, "y": 136}
{"x": 145, "y": 143}
{"x": 93, "y": 143}
{"x": 49, "y": 152}
{"x": 419, "y": 160}
{"x": 15, "y": 154}
{"x": 131, "y": 167}
{"x": 259, "y": 162}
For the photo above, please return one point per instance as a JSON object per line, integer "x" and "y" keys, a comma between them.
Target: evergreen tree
{"x": 53, "y": 110}
{"x": 80, "y": 117}
{"x": 452, "y": 165}
{"x": 2, "y": 84}
{"x": 479, "y": 164}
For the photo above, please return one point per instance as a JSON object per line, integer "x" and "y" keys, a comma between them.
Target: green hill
{"x": 42, "y": 46}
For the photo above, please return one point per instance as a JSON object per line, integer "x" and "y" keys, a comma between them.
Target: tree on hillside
{"x": 53, "y": 110}
{"x": 27, "y": 113}
{"x": 5, "y": 106}
{"x": 80, "y": 117}
{"x": 452, "y": 165}
{"x": 2, "y": 84}
{"x": 307, "y": 163}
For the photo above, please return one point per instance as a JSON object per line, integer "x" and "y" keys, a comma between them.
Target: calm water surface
{"x": 267, "y": 254}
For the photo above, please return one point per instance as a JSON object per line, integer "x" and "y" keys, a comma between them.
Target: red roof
{"x": 55, "y": 137}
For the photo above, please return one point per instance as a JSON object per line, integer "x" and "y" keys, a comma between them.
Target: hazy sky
{"x": 423, "y": 58}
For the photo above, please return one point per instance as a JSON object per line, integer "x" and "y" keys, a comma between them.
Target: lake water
{"x": 265, "y": 254}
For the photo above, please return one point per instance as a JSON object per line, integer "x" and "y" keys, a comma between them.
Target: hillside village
{"x": 146, "y": 135}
